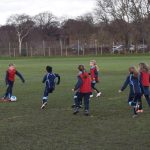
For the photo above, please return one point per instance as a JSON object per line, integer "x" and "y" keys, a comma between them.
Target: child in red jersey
{"x": 10, "y": 79}
{"x": 145, "y": 81}
{"x": 94, "y": 69}
{"x": 83, "y": 86}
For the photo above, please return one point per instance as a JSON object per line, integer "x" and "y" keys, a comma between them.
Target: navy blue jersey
{"x": 134, "y": 83}
{"x": 50, "y": 80}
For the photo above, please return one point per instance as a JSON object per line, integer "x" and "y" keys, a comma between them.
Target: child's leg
{"x": 77, "y": 103}
{"x": 8, "y": 93}
{"x": 11, "y": 88}
{"x": 133, "y": 103}
{"x": 147, "y": 99}
{"x": 45, "y": 96}
{"x": 130, "y": 99}
{"x": 86, "y": 101}
{"x": 146, "y": 94}
{"x": 134, "y": 111}
{"x": 74, "y": 99}
{"x": 78, "y": 100}
{"x": 139, "y": 101}
{"x": 94, "y": 88}
{"x": 140, "y": 104}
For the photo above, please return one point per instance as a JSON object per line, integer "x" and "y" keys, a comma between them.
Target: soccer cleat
{"x": 91, "y": 96}
{"x": 134, "y": 116}
{"x": 86, "y": 113}
{"x": 80, "y": 106}
{"x": 76, "y": 111}
{"x": 44, "y": 105}
{"x": 73, "y": 106}
{"x": 98, "y": 94}
{"x": 140, "y": 111}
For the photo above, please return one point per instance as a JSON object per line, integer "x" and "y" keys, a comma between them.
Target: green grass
{"x": 23, "y": 126}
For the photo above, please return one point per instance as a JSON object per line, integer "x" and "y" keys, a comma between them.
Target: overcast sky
{"x": 70, "y": 8}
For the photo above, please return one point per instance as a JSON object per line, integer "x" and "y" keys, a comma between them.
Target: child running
{"x": 10, "y": 79}
{"x": 134, "y": 99}
{"x": 50, "y": 81}
{"x": 94, "y": 69}
{"x": 83, "y": 86}
{"x": 145, "y": 81}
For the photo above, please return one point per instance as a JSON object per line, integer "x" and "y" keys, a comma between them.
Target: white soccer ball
{"x": 13, "y": 98}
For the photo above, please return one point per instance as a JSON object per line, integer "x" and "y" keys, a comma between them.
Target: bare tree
{"x": 23, "y": 25}
{"x": 128, "y": 15}
{"x": 47, "y": 23}
{"x": 117, "y": 11}
{"x": 140, "y": 11}
{"x": 45, "y": 19}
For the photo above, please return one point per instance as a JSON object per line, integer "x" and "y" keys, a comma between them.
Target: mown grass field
{"x": 23, "y": 126}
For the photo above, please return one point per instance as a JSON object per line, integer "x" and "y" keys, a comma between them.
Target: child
{"x": 76, "y": 96}
{"x": 10, "y": 79}
{"x": 135, "y": 89}
{"x": 94, "y": 76}
{"x": 84, "y": 87}
{"x": 145, "y": 81}
{"x": 49, "y": 80}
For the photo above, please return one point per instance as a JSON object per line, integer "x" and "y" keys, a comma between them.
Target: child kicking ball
{"x": 10, "y": 80}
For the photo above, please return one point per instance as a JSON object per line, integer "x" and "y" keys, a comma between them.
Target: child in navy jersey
{"x": 132, "y": 80}
{"x": 50, "y": 82}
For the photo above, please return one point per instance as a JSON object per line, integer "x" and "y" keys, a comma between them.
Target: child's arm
{"x": 125, "y": 84}
{"x": 58, "y": 76}
{"x": 78, "y": 84}
{"x": 96, "y": 75}
{"x": 44, "y": 79}
{"x": 92, "y": 72}
{"x": 20, "y": 76}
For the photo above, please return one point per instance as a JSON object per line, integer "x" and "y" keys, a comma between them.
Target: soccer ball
{"x": 13, "y": 98}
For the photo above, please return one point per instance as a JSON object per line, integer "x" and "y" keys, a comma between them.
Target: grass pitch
{"x": 23, "y": 126}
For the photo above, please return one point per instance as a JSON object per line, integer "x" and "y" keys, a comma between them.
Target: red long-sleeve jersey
{"x": 94, "y": 74}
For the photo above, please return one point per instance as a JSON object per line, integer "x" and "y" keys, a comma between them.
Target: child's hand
{"x": 73, "y": 90}
{"x": 93, "y": 81}
{"x": 119, "y": 91}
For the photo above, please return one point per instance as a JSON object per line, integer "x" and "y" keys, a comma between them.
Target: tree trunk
{"x": 20, "y": 45}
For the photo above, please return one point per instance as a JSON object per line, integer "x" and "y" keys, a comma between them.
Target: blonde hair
{"x": 95, "y": 64}
{"x": 144, "y": 67}
{"x": 134, "y": 71}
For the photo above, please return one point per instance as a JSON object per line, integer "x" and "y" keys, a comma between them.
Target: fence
{"x": 59, "y": 48}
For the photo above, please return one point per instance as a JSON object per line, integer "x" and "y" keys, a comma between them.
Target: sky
{"x": 60, "y": 8}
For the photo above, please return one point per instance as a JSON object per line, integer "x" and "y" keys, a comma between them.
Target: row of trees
{"x": 130, "y": 19}
{"x": 113, "y": 21}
